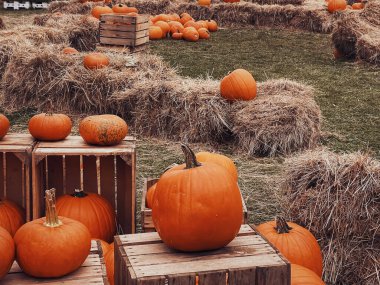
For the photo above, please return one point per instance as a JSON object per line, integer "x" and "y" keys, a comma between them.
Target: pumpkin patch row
{"x": 341, "y": 5}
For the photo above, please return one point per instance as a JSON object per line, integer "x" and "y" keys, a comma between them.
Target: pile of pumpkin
{"x": 122, "y": 9}
{"x": 180, "y": 27}
{"x": 210, "y": 179}
{"x": 341, "y": 5}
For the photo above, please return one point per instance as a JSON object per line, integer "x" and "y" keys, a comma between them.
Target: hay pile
{"x": 2, "y": 25}
{"x": 153, "y": 7}
{"x": 72, "y": 7}
{"x": 337, "y": 198}
{"x": 357, "y": 35}
{"x": 278, "y": 2}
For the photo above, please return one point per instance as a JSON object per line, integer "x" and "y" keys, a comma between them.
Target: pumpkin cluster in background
{"x": 121, "y": 9}
{"x": 341, "y": 5}
{"x": 180, "y": 27}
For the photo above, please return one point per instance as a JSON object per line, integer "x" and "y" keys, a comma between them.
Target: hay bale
{"x": 279, "y": 2}
{"x": 2, "y": 25}
{"x": 368, "y": 47}
{"x": 337, "y": 198}
{"x": 284, "y": 118}
{"x": 152, "y": 7}
{"x": 72, "y": 7}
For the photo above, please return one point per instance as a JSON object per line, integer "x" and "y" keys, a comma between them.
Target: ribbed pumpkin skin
{"x": 48, "y": 252}
{"x": 7, "y": 252}
{"x": 299, "y": 246}
{"x": 11, "y": 216}
{"x": 150, "y": 195}
{"x": 94, "y": 211}
{"x": 109, "y": 259}
{"x": 238, "y": 85}
{"x": 220, "y": 159}
{"x": 302, "y": 276}
{"x": 50, "y": 127}
{"x": 336, "y": 5}
{"x": 103, "y": 129}
{"x": 4, "y": 126}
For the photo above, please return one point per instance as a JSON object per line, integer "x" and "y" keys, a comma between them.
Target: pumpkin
{"x": 7, "y": 252}
{"x": 204, "y": 2}
{"x": 238, "y": 85}
{"x": 69, "y": 50}
{"x": 190, "y": 202}
{"x": 185, "y": 18}
{"x": 164, "y": 27}
{"x": 194, "y": 24}
{"x": 155, "y": 33}
{"x": 177, "y": 36}
{"x": 357, "y": 6}
{"x": 301, "y": 276}
{"x": 220, "y": 159}
{"x": 150, "y": 195}
{"x": 103, "y": 129}
{"x": 104, "y": 245}
{"x": 50, "y": 127}
{"x": 174, "y": 17}
{"x": 51, "y": 246}
{"x": 212, "y": 26}
{"x": 92, "y": 210}
{"x": 120, "y": 8}
{"x": 337, "y": 54}
{"x": 203, "y": 33}
{"x": 133, "y": 14}
{"x": 161, "y": 17}
{"x": 11, "y": 216}
{"x": 97, "y": 11}
{"x": 176, "y": 28}
{"x": 296, "y": 243}
{"x": 190, "y": 34}
{"x": 132, "y": 10}
{"x": 95, "y": 60}
{"x": 109, "y": 260}
{"x": 4, "y": 126}
{"x": 336, "y": 5}
{"x": 203, "y": 24}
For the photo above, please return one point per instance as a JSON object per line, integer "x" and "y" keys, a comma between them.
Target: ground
{"x": 347, "y": 92}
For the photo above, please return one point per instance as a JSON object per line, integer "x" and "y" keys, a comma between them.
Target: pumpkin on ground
{"x": 11, "y": 216}
{"x": 164, "y": 27}
{"x": 92, "y": 210}
{"x": 302, "y": 276}
{"x": 204, "y": 2}
{"x": 190, "y": 202}
{"x": 174, "y": 17}
{"x": 212, "y": 26}
{"x": 177, "y": 36}
{"x": 190, "y": 34}
{"x": 203, "y": 23}
{"x": 238, "y": 85}
{"x": 155, "y": 33}
{"x": 296, "y": 243}
{"x": 4, "y": 126}
{"x": 50, "y": 127}
{"x": 7, "y": 252}
{"x": 357, "y": 6}
{"x": 185, "y": 18}
{"x": 69, "y": 50}
{"x": 52, "y": 246}
{"x": 97, "y": 11}
{"x": 336, "y": 5}
{"x": 95, "y": 60}
{"x": 103, "y": 129}
{"x": 220, "y": 159}
{"x": 150, "y": 195}
{"x": 194, "y": 24}
{"x": 109, "y": 260}
{"x": 203, "y": 33}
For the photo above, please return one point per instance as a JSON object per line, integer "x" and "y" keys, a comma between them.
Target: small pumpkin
{"x": 203, "y": 24}
{"x": 174, "y": 17}
{"x": 336, "y": 5}
{"x": 155, "y": 33}
{"x": 190, "y": 34}
{"x": 7, "y": 252}
{"x": 194, "y": 24}
{"x": 164, "y": 27}
{"x": 185, "y": 18}
{"x": 177, "y": 36}
{"x": 212, "y": 26}
{"x": 238, "y": 85}
{"x": 162, "y": 17}
{"x": 4, "y": 126}
{"x": 150, "y": 195}
{"x": 220, "y": 159}
{"x": 109, "y": 260}
{"x": 95, "y": 60}
{"x": 92, "y": 210}
{"x": 103, "y": 129}
{"x": 97, "y": 11}
{"x": 301, "y": 275}
{"x": 120, "y": 8}
{"x": 49, "y": 126}
{"x": 296, "y": 243}
{"x": 11, "y": 216}
{"x": 204, "y": 2}
{"x": 132, "y": 10}
{"x": 197, "y": 195}
{"x": 69, "y": 50}
{"x": 357, "y": 6}
{"x": 51, "y": 246}
{"x": 204, "y": 34}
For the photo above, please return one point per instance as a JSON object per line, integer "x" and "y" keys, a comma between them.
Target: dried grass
{"x": 278, "y": 2}
{"x": 153, "y": 7}
{"x": 72, "y": 7}
{"x": 2, "y": 25}
{"x": 337, "y": 198}
{"x": 368, "y": 47}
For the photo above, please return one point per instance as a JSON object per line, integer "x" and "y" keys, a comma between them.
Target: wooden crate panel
{"x": 124, "y": 35}
{"x": 124, "y": 42}
{"x": 146, "y": 213}
{"x": 71, "y": 164}
{"x": 124, "y": 19}
{"x": 248, "y": 260}
{"x": 124, "y": 28}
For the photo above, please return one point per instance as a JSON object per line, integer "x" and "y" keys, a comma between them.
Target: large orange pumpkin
{"x": 4, "y": 126}
{"x": 69, "y": 50}
{"x": 50, "y": 127}
{"x": 203, "y": 23}
{"x": 120, "y": 9}
{"x": 150, "y": 195}
{"x": 103, "y": 129}
{"x": 7, "y": 252}
{"x": 175, "y": 27}
{"x": 164, "y": 27}
{"x": 174, "y": 17}
{"x": 204, "y": 33}
{"x": 190, "y": 34}
{"x": 190, "y": 202}
{"x": 336, "y": 5}
{"x": 238, "y": 85}
{"x": 95, "y": 60}
{"x": 296, "y": 243}
{"x": 212, "y": 26}
{"x": 11, "y": 216}
{"x": 220, "y": 159}
{"x": 155, "y": 33}
{"x": 302, "y": 276}
{"x": 92, "y": 210}
{"x": 185, "y": 18}
{"x": 97, "y": 11}
{"x": 109, "y": 260}
{"x": 52, "y": 246}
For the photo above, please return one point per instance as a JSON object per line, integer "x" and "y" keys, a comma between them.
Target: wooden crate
{"x": 72, "y": 164}
{"x": 146, "y": 213}
{"x": 15, "y": 177}
{"x": 124, "y": 30}
{"x": 92, "y": 271}
{"x": 248, "y": 260}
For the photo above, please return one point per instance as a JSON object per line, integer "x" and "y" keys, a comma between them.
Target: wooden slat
{"x": 124, "y": 35}
{"x": 123, "y": 42}
{"x": 272, "y": 275}
{"x": 182, "y": 279}
{"x": 124, "y": 18}
{"x": 17, "y": 139}
{"x": 160, "y": 280}
{"x": 242, "y": 276}
{"x": 213, "y": 277}
{"x": 78, "y": 142}
{"x": 83, "y": 151}
{"x": 125, "y": 28}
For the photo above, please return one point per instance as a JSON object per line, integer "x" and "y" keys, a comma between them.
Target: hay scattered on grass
{"x": 337, "y": 198}
{"x": 72, "y": 7}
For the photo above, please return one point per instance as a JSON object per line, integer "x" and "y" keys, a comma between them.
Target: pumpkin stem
{"x": 190, "y": 158}
{"x": 79, "y": 193}
{"x": 51, "y": 212}
{"x": 282, "y": 226}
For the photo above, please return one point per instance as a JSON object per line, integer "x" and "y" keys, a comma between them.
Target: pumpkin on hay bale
{"x": 336, "y": 197}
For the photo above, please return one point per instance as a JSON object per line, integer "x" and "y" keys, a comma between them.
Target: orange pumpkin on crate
{"x": 4, "y": 126}
{"x": 109, "y": 260}
{"x": 50, "y": 127}
{"x": 220, "y": 159}
{"x": 7, "y": 252}
{"x": 11, "y": 216}
{"x": 123, "y": 9}
{"x": 238, "y": 85}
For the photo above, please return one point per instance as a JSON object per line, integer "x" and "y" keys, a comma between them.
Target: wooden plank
{"x": 124, "y": 35}
{"x": 125, "y": 19}
{"x": 213, "y": 277}
{"x": 272, "y": 275}
{"x": 83, "y": 151}
{"x": 157, "y": 280}
{"x": 125, "y": 28}
{"x": 14, "y": 139}
{"x": 77, "y": 142}
{"x": 242, "y": 276}
{"x": 123, "y": 42}
{"x": 182, "y": 279}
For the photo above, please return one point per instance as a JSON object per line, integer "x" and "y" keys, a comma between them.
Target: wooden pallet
{"x": 146, "y": 213}
{"x": 92, "y": 271}
{"x": 248, "y": 260}
{"x": 124, "y": 30}
{"x": 72, "y": 164}
{"x": 15, "y": 160}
